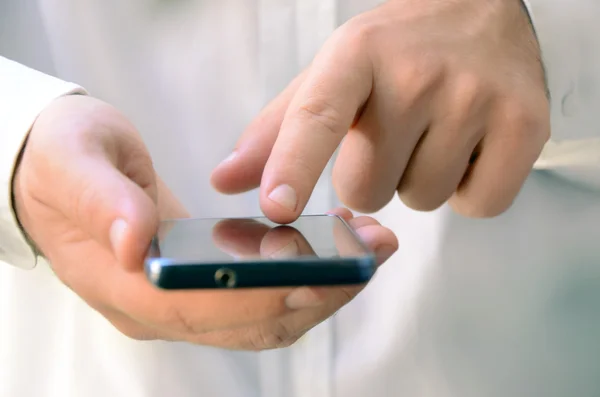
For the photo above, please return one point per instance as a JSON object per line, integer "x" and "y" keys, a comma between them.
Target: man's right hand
{"x": 87, "y": 195}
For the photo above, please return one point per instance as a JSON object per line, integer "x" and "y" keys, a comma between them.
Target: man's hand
{"x": 87, "y": 195}
{"x": 435, "y": 100}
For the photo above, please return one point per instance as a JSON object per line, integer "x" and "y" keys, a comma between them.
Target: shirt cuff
{"x": 527, "y": 5}
{"x": 570, "y": 45}
{"x": 24, "y": 93}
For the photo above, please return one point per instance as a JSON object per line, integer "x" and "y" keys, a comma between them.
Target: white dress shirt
{"x": 507, "y": 306}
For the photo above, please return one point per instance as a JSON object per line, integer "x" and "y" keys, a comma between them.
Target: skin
{"x": 434, "y": 101}
{"x": 87, "y": 196}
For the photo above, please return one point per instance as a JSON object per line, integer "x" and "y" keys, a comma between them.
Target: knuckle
{"x": 357, "y": 175}
{"x": 475, "y": 207}
{"x": 319, "y": 111}
{"x": 359, "y": 31}
{"x": 469, "y": 95}
{"x": 422, "y": 202}
{"x": 427, "y": 190}
{"x": 470, "y": 82}
{"x": 354, "y": 196}
{"x": 523, "y": 123}
{"x": 415, "y": 79}
{"x": 357, "y": 200}
{"x": 515, "y": 116}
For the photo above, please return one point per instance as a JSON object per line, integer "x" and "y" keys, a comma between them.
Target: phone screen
{"x": 250, "y": 239}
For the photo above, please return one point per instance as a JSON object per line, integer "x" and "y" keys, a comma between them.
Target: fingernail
{"x": 229, "y": 158}
{"x": 117, "y": 233}
{"x": 285, "y": 196}
{"x": 290, "y": 250}
{"x": 385, "y": 252}
{"x": 302, "y": 298}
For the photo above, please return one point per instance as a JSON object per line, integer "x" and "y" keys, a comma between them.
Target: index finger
{"x": 319, "y": 116}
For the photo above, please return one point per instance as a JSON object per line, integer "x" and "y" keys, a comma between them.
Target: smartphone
{"x": 315, "y": 250}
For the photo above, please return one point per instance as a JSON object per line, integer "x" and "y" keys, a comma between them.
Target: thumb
{"x": 87, "y": 162}
{"x": 242, "y": 170}
{"x": 116, "y": 207}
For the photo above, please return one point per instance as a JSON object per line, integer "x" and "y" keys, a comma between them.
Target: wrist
{"x": 17, "y": 193}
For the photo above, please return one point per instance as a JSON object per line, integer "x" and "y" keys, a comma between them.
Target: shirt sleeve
{"x": 24, "y": 93}
{"x": 569, "y": 36}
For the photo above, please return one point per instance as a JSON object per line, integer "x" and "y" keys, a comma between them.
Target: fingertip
{"x": 281, "y": 204}
{"x": 238, "y": 173}
{"x": 278, "y": 215}
{"x": 385, "y": 252}
{"x": 343, "y": 213}
{"x": 217, "y": 179}
{"x": 242, "y": 169}
{"x": 378, "y": 238}
{"x": 219, "y": 175}
{"x": 363, "y": 221}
